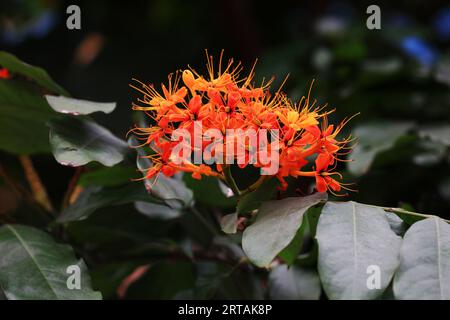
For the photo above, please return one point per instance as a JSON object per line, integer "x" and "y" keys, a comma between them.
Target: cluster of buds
{"x": 218, "y": 111}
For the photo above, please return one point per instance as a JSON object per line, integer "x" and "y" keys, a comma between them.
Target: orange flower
{"x": 224, "y": 101}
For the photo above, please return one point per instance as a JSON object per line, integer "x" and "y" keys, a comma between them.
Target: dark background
{"x": 324, "y": 40}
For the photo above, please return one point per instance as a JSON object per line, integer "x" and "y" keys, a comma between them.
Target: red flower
{"x": 4, "y": 73}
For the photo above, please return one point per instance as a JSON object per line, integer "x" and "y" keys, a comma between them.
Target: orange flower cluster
{"x": 224, "y": 101}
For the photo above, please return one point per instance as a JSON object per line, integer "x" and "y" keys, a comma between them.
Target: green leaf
{"x": 424, "y": 271}
{"x": 94, "y": 198}
{"x": 33, "y": 266}
{"x": 108, "y": 277}
{"x": 40, "y": 76}
{"x": 108, "y": 176}
{"x": 294, "y": 283}
{"x": 221, "y": 281}
{"x": 291, "y": 252}
{"x": 23, "y": 114}
{"x": 396, "y": 223}
{"x": 115, "y": 232}
{"x": 408, "y": 217}
{"x": 352, "y": 237}
{"x": 213, "y": 187}
{"x": 253, "y": 200}
{"x": 436, "y": 133}
{"x": 229, "y": 223}
{"x": 275, "y": 226}
{"x": 76, "y": 142}
{"x": 157, "y": 211}
{"x": 307, "y": 230}
{"x": 373, "y": 139}
{"x": 78, "y": 107}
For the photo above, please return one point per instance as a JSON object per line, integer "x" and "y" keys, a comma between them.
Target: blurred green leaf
{"x": 118, "y": 232}
{"x": 33, "y": 266}
{"x": 40, "y": 76}
{"x": 372, "y": 139}
{"x": 157, "y": 211}
{"x": 220, "y": 281}
{"x": 76, "y": 142}
{"x": 107, "y": 277}
{"x": 351, "y": 51}
{"x": 437, "y": 133}
{"x": 23, "y": 114}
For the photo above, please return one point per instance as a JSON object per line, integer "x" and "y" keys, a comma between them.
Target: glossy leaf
{"x": 275, "y": 226}
{"x": 354, "y": 238}
{"x": 33, "y": 266}
{"x": 94, "y": 198}
{"x": 78, "y": 107}
{"x": 424, "y": 271}
{"x": 76, "y": 142}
